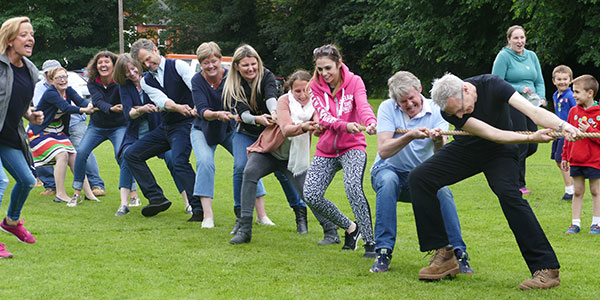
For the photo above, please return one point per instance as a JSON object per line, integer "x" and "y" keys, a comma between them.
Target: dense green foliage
{"x": 377, "y": 37}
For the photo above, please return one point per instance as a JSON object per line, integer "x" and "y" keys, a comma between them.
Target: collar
{"x": 426, "y": 109}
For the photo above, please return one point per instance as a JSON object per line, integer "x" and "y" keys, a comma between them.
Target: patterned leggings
{"x": 319, "y": 176}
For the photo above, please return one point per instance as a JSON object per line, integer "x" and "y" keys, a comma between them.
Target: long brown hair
{"x": 91, "y": 66}
{"x": 330, "y": 51}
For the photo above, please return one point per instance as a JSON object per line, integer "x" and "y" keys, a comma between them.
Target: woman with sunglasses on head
{"x": 250, "y": 91}
{"x": 284, "y": 147}
{"x": 17, "y": 80}
{"x": 49, "y": 141}
{"x": 107, "y": 123}
{"x": 340, "y": 99}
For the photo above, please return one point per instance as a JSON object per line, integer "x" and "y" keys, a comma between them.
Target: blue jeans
{"x": 390, "y": 185}
{"x": 93, "y": 137}
{"x": 76, "y": 133}
{"x": 205, "y": 165}
{"x": 175, "y": 137}
{"x": 15, "y": 163}
{"x": 240, "y": 157}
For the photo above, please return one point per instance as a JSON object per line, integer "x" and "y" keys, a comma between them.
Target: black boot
{"x": 301, "y": 221}
{"x": 330, "y": 234}
{"x": 238, "y": 215}
{"x": 244, "y": 233}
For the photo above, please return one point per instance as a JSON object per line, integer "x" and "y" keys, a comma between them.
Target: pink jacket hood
{"x": 335, "y": 114}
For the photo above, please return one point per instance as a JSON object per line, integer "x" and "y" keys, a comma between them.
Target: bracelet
{"x": 561, "y": 126}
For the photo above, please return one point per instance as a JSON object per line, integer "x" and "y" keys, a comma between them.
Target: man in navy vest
{"x": 168, "y": 84}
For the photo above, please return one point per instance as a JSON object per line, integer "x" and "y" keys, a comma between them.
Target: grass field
{"x": 87, "y": 253}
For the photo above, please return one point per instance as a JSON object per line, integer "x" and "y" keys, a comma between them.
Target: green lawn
{"x": 87, "y": 253}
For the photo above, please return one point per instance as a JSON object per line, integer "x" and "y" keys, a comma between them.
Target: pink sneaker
{"x": 19, "y": 231}
{"x": 3, "y": 252}
{"x": 524, "y": 191}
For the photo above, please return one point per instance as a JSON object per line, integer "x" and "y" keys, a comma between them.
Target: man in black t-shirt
{"x": 480, "y": 106}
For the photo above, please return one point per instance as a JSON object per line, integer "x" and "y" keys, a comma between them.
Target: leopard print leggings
{"x": 319, "y": 176}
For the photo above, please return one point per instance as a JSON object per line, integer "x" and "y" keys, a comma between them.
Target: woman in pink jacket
{"x": 340, "y": 99}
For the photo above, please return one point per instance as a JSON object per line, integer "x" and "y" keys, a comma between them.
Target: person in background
{"x": 77, "y": 127}
{"x": 563, "y": 102}
{"x": 107, "y": 123}
{"x": 18, "y": 76}
{"x": 49, "y": 141}
{"x": 581, "y": 157}
{"x": 142, "y": 116}
{"x": 250, "y": 91}
{"x": 521, "y": 68}
{"x": 284, "y": 147}
{"x": 340, "y": 99}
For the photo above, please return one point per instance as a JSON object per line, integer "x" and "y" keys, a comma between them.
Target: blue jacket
{"x": 51, "y": 102}
{"x": 105, "y": 98}
{"x": 130, "y": 98}
{"x": 207, "y": 98}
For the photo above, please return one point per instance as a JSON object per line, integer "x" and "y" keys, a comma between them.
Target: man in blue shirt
{"x": 398, "y": 154}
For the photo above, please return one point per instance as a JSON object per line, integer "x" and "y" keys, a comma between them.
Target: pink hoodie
{"x": 334, "y": 115}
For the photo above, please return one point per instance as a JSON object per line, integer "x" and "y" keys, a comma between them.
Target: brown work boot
{"x": 542, "y": 279}
{"x": 442, "y": 264}
{"x": 48, "y": 192}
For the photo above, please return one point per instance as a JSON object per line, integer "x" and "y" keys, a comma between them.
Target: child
{"x": 581, "y": 155}
{"x": 563, "y": 101}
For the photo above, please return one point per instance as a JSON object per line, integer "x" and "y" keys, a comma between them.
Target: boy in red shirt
{"x": 582, "y": 156}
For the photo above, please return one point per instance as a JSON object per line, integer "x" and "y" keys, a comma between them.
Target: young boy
{"x": 582, "y": 156}
{"x": 563, "y": 101}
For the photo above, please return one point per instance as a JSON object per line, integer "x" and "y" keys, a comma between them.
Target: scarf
{"x": 299, "y": 158}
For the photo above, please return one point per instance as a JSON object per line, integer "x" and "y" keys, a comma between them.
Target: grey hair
{"x": 401, "y": 84}
{"x": 443, "y": 88}
{"x": 139, "y": 45}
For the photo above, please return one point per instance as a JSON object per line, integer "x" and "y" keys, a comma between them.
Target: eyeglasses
{"x": 61, "y": 78}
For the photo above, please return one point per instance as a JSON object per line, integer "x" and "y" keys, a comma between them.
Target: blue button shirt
{"x": 390, "y": 117}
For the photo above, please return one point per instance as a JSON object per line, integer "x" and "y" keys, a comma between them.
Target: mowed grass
{"x": 87, "y": 253}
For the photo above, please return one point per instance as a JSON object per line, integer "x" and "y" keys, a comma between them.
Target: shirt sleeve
{"x": 199, "y": 95}
{"x": 385, "y": 117}
{"x": 185, "y": 71}
{"x": 157, "y": 96}
{"x": 72, "y": 95}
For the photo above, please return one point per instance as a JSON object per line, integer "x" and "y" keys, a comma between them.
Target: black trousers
{"x": 455, "y": 162}
{"x": 523, "y": 123}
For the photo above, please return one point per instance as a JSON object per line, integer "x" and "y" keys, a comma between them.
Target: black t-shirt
{"x": 491, "y": 107}
{"x": 22, "y": 93}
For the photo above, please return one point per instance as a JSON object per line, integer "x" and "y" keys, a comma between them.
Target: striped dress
{"x": 50, "y": 142}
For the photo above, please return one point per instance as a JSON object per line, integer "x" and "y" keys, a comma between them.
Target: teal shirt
{"x": 520, "y": 70}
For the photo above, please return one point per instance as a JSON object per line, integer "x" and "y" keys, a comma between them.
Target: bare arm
{"x": 484, "y": 130}
{"x": 388, "y": 146}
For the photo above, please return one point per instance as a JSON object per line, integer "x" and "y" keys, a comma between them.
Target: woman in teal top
{"x": 521, "y": 68}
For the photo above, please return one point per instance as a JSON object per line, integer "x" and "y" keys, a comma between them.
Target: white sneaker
{"x": 208, "y": 223}
{"x": 75, "y": 200}
{"x": 135, "y": 201}
{"x": 265, "y": 221}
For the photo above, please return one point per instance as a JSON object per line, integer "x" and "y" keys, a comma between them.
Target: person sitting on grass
{"x": 582, "y": 156}
{"x": 479, "y": 105}
{"x": 398, "y": 154}
{"x": 563, "y": 102}
{"x": 50, "y": 142}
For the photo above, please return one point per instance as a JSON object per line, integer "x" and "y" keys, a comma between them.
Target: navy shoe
{"x": 154, "y": 208}
{"x": 567, "y": 197}
{"x": 370, "y": 250}
{"x": 382, "y": 262}
{"x": 123, "y": 210}
{"x": 463, "y": 262}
